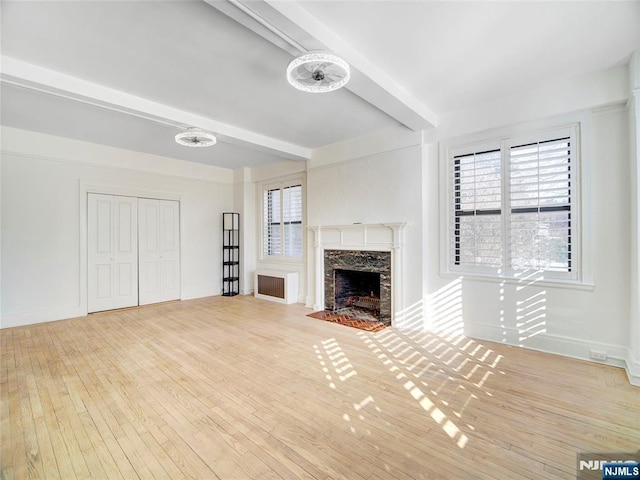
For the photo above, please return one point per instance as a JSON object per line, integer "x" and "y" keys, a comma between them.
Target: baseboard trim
{"x": 200, "y": 293}
{"x": 41, "y": 315}
{"x": 617, "y": 356}
{"x": 632, "y": 368}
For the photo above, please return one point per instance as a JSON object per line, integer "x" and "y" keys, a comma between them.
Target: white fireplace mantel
{"x": 360, "y": 236}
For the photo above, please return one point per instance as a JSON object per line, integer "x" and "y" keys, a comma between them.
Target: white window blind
{"x": 540, "y": 203}
{"x": 513, "y": 206}
{"x": 282, "y": 221}
{"x": 477, "y": 220}
{"x": 272, "y": 211}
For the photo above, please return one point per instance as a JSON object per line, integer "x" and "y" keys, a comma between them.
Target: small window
{"x": 513, "y": 206}
{"x": 282, "y": 221}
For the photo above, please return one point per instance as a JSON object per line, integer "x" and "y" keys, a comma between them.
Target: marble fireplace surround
{"x": 365, "y": 261}
{"x": 374, "y": 237}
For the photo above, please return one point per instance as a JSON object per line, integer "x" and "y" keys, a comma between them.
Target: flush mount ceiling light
{"x": 194, "y": 137}
{"x": 318, "y": 72}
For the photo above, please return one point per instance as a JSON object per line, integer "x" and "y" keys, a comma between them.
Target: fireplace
{"x": 358, "y": 279}
{"x": 369, "y": 247}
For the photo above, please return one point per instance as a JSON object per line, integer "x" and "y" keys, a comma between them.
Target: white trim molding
{"x": 632, "y": 367}
{"x": 617, "y": 356}
{"x": 42, "y": 315}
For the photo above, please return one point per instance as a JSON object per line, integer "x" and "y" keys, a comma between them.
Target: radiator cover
{"x": 271, "y": 286}
{"x": 277, "y": 286}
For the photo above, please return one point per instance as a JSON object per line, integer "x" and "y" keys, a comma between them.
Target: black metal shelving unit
{"x": 230, "y": 254}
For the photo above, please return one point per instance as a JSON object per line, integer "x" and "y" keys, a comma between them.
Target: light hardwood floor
{"x": 239, "y": 388}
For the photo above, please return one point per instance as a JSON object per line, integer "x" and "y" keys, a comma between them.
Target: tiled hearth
{"x": 351, "y": 318}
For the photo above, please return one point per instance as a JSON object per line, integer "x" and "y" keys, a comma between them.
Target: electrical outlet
{"x": 598, "y": 355}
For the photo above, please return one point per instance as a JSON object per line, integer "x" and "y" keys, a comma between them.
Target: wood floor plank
{"x": 60, "y": 452}
{"x": 46, "y": 455}
{"x": 122, "y": 463}
{"x": 14, "y": 454}
{"x": 240, "y": 388}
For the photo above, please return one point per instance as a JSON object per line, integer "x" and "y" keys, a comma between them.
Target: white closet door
{"x": 113, "y": 252}
{"x": 170, "y": 249}
{"x": 159, "y": 250}
{"x": 149, "y": 251}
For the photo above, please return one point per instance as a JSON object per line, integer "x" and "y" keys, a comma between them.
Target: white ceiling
{"x": 132, "y": 73}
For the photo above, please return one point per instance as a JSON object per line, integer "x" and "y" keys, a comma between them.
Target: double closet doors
{"x": 133, "y": 251}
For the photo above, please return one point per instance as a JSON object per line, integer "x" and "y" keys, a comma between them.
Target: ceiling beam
{"x": 291, "y": 27}
{"x": 33, "y": 77}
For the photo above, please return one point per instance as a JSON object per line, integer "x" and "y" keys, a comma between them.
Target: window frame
{"x": 281, "y": 185}
{"x": 504, "y": 143}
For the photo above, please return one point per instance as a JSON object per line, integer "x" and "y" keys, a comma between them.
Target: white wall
{"x": 389, "y": 177}
{"x": 543, "y": 316}
{"x": 370, "y": 188}
{"x": 245, "y": 204}
{"x": 43, "y": 180}
{"x": 557, "y": 97}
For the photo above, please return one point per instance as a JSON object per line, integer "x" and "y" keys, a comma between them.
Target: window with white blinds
{"x": 282, "y": 220}
{"x": 540, "y": 205}
{"x": 477, "y": 209}
{"x": 513, "y": 207}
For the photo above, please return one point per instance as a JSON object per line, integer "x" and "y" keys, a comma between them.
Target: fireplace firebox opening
{"x": 357, "y": 289}
{"x": 359, "y": 281}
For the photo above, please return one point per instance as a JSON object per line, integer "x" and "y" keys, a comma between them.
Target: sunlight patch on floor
{"x": 416, "y": 392}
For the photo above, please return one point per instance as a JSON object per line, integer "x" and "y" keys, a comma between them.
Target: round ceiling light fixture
{"x": 318, "y": 72}
{"x": 194, "y": 137}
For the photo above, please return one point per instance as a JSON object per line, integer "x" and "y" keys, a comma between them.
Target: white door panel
{"x": 125, "y": 278}
{"x": 159, "y": 255}
{"x": 170, "y": 249}
{"x": 103, "y": 281}
{"x": 112, "y": 239}
{"x": 126, "y": 258}
{"x": 100, "y": 252}
{"x": 150, "y": 221}
{"x": 168, "y": 275}
{"x": 127, "y": 227}
{"x": 149, "y": 283}
{"x": 149, "y": 255}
